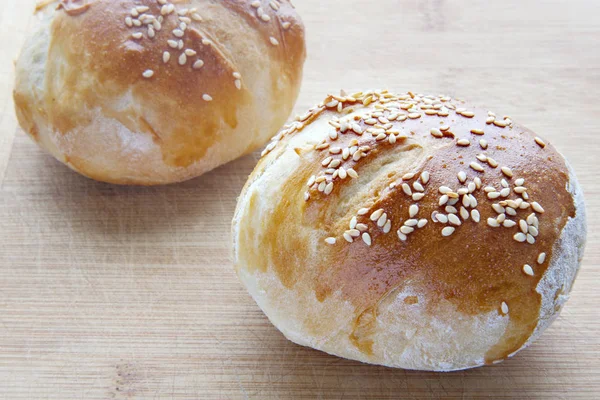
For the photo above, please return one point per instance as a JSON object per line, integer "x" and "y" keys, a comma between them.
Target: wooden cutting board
{"x": 113, "y": 292}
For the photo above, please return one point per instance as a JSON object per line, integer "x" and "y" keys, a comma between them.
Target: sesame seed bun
{"x": 410, "y": 231}
{"x": 155, "y": 91}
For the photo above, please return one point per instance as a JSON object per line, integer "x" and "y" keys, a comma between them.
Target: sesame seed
{"x": 417, "y": 186}
{"x": 413, "y": 210}
{"x": 520, "y": 182}
{"x": 464, "y": 214}
{"x": 477, "y": 167}
{"x": 483, "y": 143}
{"x": 478, "y": 182}
{"x": 533, "y": 231}
{"x": 441, "y": 218}
{"x": 477, "y": 131}
{"x": 501, "y": 218}
{"x": 206, "y": 97}
{"x": 137, "y": 35}
{"x": 468, "y": 114}
{"x": 366, "y": 238}
{"x": 417, "y": 196}
{"x": 436, "y": 133}
{"x": 444, "y": 128}
{"x": 408, "y": 176}
{"x": 523, "y": 225}
{"x": 463, "y": 142}
{"x": 172, "y": 43}
{"x": 342, "y": 173}
{"x": 509, "y": 223}
{"x": 537, "y": 207}
{"x": 505, "y": 192}
{"x": 447, "y": 231}
{"x": 376, "y": 215}
{"x": 530, "y": 239}
{"x": 482, "y": 157}
{"x": 501, "y": 124}
{"x": 520, "y": 189}
{"x": 444, "y": 189}
{"x": 352, "y": 173}
{"x": 511, "y": 211}
{"x": 528, "y": 270}
{"x": 178, "y": 33}
{"x": 466, "y": 201}
{"x": 274, "y": 41}
{"x": 362, "y": 211}
{"x": 541, "y": 258}
{"x": 166, "y": 57}
{"x": 148, "y": 74}
{"x": 493, "y": 195}
{"x": 330, "y": 240}
{"x": 387, "y": 227}
{"x": 520, "y": 237}
{"x": 493, "y": 222}
{"x": 362, "y": 227}
{"x": 348, "y": 238}
{"x": 190, "y": 52}
{"x": 453, "y": 219}
{"x": 540, "y": 142}
{"x": 507, "y": 171}
{"x": 382, "y": 220}
{"x": 504, "y": 308}
{"x": 353, "y": 232}
{"x": 475, "y": 215}
{"x": 182, "y": 59}
{"x": 425, "y": 177}
{"x": 329, "y": 188}
{"x": 401, "y": 236}
{"x": 406, "y": 189}
{"x": 490, "y": 120}
{"x": 462, "y": 176}
{"x": 422, "y": 222}
{"x": 498, "y": 208}
{"x": 443, "y": 200}
{"x": 406, "y": 229}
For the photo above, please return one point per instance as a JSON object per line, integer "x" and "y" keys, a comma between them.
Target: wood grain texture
{"x": 128, "y": 293}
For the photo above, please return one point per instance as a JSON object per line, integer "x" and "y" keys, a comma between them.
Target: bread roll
{"x": 410, "y": 231}
{"x": 158, "y": 91}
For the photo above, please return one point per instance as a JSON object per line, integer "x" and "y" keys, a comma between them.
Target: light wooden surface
{"x": 128, "y": 293}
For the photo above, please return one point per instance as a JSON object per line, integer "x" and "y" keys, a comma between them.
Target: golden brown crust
{"x": 478, "y": 267}
{"x": 181, "y": 72}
